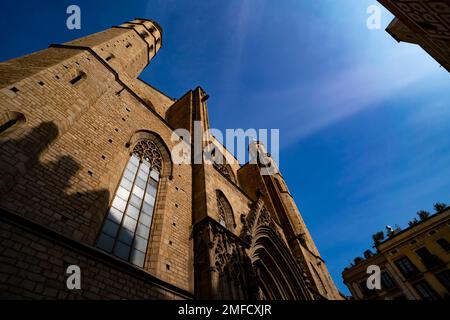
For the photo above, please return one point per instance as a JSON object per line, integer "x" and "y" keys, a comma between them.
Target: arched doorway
{"x": 278, "y": 274}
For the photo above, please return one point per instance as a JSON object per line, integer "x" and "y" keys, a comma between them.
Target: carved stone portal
{"x": 256, "y": 265}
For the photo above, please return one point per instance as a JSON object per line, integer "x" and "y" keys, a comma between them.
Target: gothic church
{"x": 87, "y": 179}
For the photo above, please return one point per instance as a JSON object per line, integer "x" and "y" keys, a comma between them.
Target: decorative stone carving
{"x": 258, "y": 216}
{"x": 146, "y": 149}
{"x": 231, "y": 271}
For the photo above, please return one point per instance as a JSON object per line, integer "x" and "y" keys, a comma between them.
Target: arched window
{"x": 225, "y": 213}
{"x": 126, "y": 229}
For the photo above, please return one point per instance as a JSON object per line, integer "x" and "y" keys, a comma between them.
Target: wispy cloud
{"x": 368, "y": 70}
{"x": 332, "y": 98}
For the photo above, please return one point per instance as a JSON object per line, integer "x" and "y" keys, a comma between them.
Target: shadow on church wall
{"x": 39, "y": 190}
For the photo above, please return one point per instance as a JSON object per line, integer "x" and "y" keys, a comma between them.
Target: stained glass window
{"x": 126, "y": 229}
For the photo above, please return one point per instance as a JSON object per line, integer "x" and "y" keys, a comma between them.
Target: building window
{"x": 225, "y": 213}
{"x": 406, "y": 267}
{"x": 444, "y": 278}
{"x": 126, "y": 229}
{"x": 444, "y": 244}
{"x": 366, "y": 292}
{"x": 425, "y": 291}
{"x": 386, "y": 281}
{"x": 9, "y": 121}
{"x": 428, "y": 259}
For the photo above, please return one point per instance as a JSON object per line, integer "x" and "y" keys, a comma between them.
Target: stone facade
{"x": 71, "y": 118}
{"x": 422, "y": 22}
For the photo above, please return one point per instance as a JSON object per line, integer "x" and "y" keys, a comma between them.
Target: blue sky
{"x": 364, "y": 121}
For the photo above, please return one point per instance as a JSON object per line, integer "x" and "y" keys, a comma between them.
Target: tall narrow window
{"x": 406, "y": 267}
{"x": 444, "y": 278}
{"x": 428, "y": 259}
{"x": 126, "y": 230}
{"x": 386, "y": 281}
{"x": 226, "y": 217}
